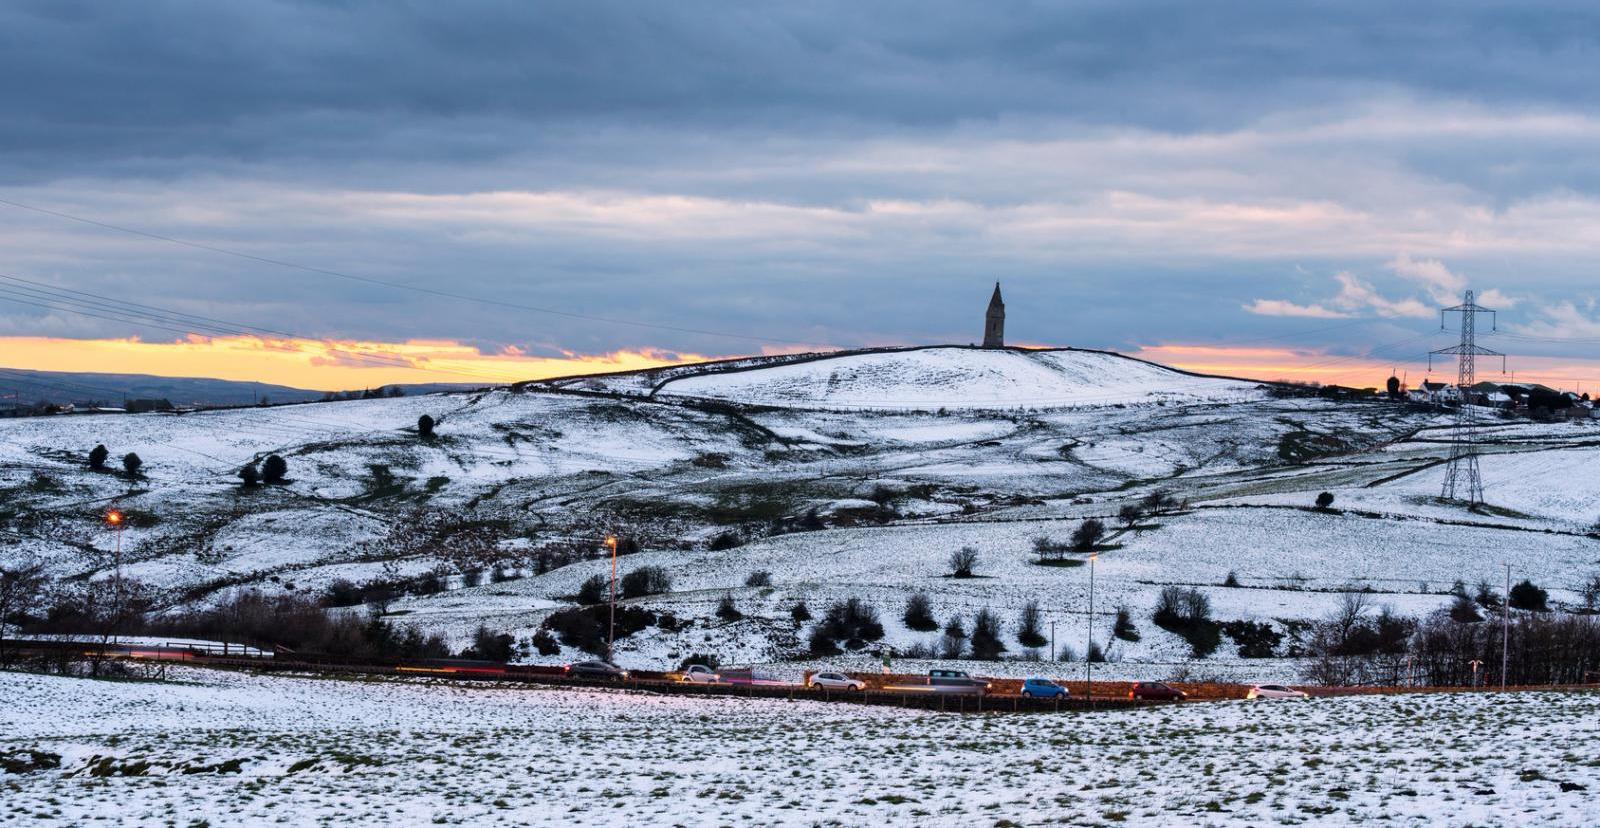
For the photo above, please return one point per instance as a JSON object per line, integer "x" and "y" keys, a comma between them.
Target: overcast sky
{"x": 814, "y": 173}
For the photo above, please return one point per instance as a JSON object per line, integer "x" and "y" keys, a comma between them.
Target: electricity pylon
{"x": 1461, "y": 478}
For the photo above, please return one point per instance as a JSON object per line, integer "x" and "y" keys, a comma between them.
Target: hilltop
{"x": 845, "y": 475}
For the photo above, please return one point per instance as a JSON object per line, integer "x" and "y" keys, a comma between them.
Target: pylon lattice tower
{"x": 1462, "y": 481}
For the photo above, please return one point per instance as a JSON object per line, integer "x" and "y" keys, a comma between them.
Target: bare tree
{"x": 20, "y": 588}
{"x": 963, "y": 561}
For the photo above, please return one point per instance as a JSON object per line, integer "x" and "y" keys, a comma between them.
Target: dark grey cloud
{"x": 836, "y": 172}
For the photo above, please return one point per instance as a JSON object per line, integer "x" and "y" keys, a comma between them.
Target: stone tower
{"x": 994, "y": 321}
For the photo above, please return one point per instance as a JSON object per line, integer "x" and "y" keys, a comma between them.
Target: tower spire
{"x": 994, "y": 321}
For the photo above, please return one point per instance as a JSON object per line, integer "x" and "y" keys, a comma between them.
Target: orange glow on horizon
{"x": 318, "y": 365}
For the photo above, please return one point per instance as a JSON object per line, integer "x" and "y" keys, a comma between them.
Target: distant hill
{"x": 20, "y": 387}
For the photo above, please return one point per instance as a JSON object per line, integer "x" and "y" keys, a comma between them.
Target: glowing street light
{"x": 611, "y": 634}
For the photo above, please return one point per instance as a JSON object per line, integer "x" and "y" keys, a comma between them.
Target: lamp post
{"x": 1505, "y": 631}
{"x": 611, "y": 634}
{"x": 116, "y": 520}
{"x": 1088, "y": 654}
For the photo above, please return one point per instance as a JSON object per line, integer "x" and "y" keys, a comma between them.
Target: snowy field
{"x": 219, "y": 749}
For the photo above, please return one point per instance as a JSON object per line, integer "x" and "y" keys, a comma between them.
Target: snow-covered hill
{"x": 850, "y": 475}
{"x": 950, "y": 378}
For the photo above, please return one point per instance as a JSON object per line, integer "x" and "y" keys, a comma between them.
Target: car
{"x": 956, "y": 681}
{"x": 596, "y": 670}
{"x": 1043, "y": 688}
{"x": 699, "y": 674}
{"x": 833, "y": 680}
{"x": 1275, "y": 691}
{"x": 1156, "y": 691}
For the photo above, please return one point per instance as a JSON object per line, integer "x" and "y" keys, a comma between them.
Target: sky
{"x": 337, "y": 195}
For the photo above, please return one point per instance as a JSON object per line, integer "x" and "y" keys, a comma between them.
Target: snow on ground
{"x": 223, "y": 749}
{"x": 958, "y": 378}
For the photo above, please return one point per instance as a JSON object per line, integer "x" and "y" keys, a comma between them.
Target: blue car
{"x": 1043, "y": 688}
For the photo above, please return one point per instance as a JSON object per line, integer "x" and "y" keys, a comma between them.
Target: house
{"x": 1436, "y": 393}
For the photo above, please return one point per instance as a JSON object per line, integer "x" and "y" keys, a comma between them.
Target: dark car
{"x": 1156, "y": 691}
{"x": 596, "y": 670}
{"x": 956, "y": 681}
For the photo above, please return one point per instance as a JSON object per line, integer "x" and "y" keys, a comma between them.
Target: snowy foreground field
{"x": 215, "y": 748}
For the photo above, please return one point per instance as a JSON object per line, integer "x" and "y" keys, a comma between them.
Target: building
{"x": 994, "y": 321}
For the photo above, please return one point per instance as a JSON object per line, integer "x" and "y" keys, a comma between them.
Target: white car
{"x": 835, "y": 681}
{"x": 1275, "y": 691}
{"x": 699, "y": 674}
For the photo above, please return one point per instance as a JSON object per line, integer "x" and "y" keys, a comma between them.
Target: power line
{"x": 389, "y": 284}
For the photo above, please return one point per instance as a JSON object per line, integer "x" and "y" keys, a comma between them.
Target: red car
{"x": 1156, "y": 691}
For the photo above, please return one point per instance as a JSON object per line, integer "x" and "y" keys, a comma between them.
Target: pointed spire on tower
{"x": 994, "y": 321}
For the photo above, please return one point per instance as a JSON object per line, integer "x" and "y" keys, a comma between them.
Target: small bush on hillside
{"x": 727, "y": 610}
{"x": 1255, "y": 639}
{"x": 1464, "y": 610}
{"x": 425, "y": 425}
{"x": 646, "y": 580}
{"x": 1028, "y": 626}
{"x": 852, "y": 622}
{"x": 97, "y": 457}
{"x": 1130, "y": 514}
{"x": 1526, "y": 596}
{"x": 1486, "y": 596}
{"x": 1186, "y": 612}
{"x": 963, "y": 561}
{"x": 593, "y": 590}
{"x": 919, "y": 614}
{"x": 1088, "y": 536}
{"x": 801, "y": 613}
{"x": 986, "y": 641}
{"x": 274, "y": 469}
{"x": 489, "y": 645}
{"x": 131, "y": 464}
{"x": 759, "y": 578}
{"x": 249, "y": 476}
{"x": 725, "y": 541}
{"x": 545, "y": 643}
{"x": 1325, "y": 500}
{"x": 1124, "y": 628}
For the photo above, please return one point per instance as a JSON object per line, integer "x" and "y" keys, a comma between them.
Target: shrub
{"x": 1256, "y": 639}
{"x": 1088, "y": 535}
{"x": 1526, "y": 596}
{"x": 425, "y": 425}
{"x": 545, "y": 643}
{"x": 471, "y": 578}
{"x": 985, "y": 641}
{"x": 963, "y": 561}
{"x": 1486, "y": 596}
{"x": 97, "y": 457}
{"x": 1591, "y": 593}
{"x": 1028, "y": 632}
{"x": 759, "y": 578}
{"x": 1130, "y": 514}
{"x": 953, "y": 642}
{"x": 1124, "y": 628}
{"x": 1095, "y": 654}
{"x": 489, "y": 645}
{"x": 646, "y": 580}
{"x": 274, "y": 469}
{"x": 250, "y": 475}
{"x": 852, "y": 621}
{"x": 1232, "y": 580}
{"x": 801, "y": 613}
{"x": 1464, "y": 610}
{"x": 725, "y": 541}
{"x": 1325, "y": 500}
{"x": 823, "y": 644}
{"x": 131, "y": 464}
{"x": 727, "y": 610}
{"x": 577, "y": 627}
{"x": 1158, "y": 502}
{"x": 1186, "y": 612}
{"x": 593, "y": 590}
{"x": 919, "y": 614}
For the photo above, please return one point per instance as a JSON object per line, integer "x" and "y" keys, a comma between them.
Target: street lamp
{"x": 611, "y": 634}
{"x": 1088, "y": 654}
{"x": 117, "y": 521}
{"x": 1505, "y": 631}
